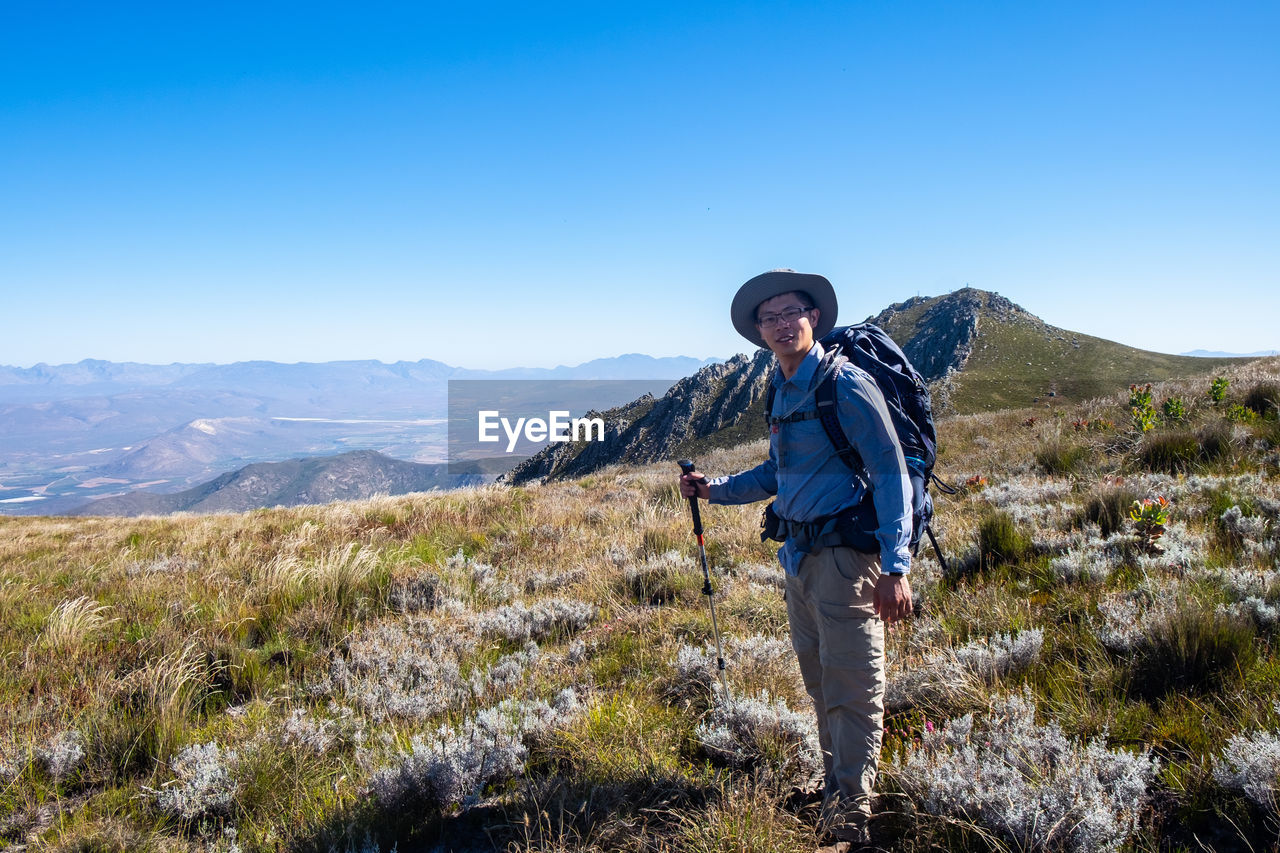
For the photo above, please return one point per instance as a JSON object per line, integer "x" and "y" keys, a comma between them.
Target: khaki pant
{"x": 840, "y": 644}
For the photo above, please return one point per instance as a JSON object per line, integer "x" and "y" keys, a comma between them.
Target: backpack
{"x": 910, "y": 408}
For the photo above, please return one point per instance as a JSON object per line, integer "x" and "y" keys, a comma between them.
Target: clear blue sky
{"x": 535, "y": 184}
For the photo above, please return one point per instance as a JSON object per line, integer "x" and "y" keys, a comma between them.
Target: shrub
{"x": 203, "y": 782}
{"x": 1238, "y": 529}
{"x": 1142, "y": 407}
{"x": 1238, "y": 414}
{"x": 945, "y": 676}
{"x": 62, "y": 754}
{"x": 1218, "y": 390}
{"x": 1173, "y": 408}
{"x": 1251, "y": 764}
{"x": 1029, "y": 783}
{"x": 752, "y": 659}
{"x": 1149, "y": 517}
{"x": 406, "y": 669}
{"x": 417, "y": 594}
{"x": 1109, "y": 509}
{"x": 550, "y": 618}
{"x": 1002, "y": 655}
{"x": 762, "y": 731}
{"x": 1000, "y": 542}
{"x": 455, "y": 765}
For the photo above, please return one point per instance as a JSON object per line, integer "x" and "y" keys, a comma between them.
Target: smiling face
{"x": 788, "y": 324}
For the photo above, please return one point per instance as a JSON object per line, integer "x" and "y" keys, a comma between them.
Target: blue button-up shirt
{"x": 807, "y": 476}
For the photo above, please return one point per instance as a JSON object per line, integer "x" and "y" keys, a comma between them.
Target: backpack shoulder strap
{"x": 828, "y": 416}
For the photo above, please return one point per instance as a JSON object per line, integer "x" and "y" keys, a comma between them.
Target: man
{"x": 838, "y": 598}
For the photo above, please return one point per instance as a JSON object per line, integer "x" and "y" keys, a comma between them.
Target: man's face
{"x": 786, "y": 324}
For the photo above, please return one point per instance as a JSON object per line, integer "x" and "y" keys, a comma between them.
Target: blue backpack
{"x": 910, "y": 408}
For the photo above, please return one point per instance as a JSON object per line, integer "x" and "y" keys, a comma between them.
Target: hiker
{"x": 838, "y": 598}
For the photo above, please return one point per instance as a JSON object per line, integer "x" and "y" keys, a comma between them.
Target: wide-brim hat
{"x": 775, "y": 283}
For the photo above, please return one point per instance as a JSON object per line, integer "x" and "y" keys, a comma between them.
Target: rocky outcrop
{"x": 938, "y": 333}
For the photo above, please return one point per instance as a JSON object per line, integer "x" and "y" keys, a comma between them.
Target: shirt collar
{"x": 804, "y": 373}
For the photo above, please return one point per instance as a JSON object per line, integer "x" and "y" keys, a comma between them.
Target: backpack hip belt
{"x": 853, "y": 527}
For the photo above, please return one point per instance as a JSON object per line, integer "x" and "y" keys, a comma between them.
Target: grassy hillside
{"x": 1012, "y": 364}
{"x": 530, "y": 669}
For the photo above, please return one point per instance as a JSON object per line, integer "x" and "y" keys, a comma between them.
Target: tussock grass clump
{"x": 1109, "y": 509}
{"x": 71, "y": 623}
{"x": 1173, "y": 451}
{"x": 1061, "y": 458}
{"x": 625, "y": 737}
{"x": 748, "y": 818}
{"x": 1001, "y": 542}
{"x": 1216, "y": 442}
{"x": 1264, "y": 399}
{"x": 1193, "y": 650}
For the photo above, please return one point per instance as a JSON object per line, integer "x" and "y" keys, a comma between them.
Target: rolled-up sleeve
{"x": 863, "y": 408}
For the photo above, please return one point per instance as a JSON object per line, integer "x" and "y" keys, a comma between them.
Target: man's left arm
{"x": 870, "y": 429}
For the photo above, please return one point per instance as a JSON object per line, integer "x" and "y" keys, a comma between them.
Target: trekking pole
{"x": 686, "y": 466}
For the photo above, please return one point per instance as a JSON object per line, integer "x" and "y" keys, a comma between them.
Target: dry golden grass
{"x": 152, "y": 635}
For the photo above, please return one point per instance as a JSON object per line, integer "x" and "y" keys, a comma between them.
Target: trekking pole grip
{"x": 686, "y": 467}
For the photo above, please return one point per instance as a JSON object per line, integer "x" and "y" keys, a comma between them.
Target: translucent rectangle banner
{"x": 495, "y": 424}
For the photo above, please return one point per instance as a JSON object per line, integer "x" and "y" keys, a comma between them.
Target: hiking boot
{"x": 837, "y": 847}
{"x": 846, "y": 838}
{"x": 799, "y": 798}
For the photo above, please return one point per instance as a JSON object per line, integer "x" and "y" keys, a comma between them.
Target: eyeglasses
{"x": 786, "y": 315}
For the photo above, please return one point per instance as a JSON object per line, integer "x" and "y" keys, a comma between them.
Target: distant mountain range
{"x": 311, "y": 383}
{"x": 74, "y": 432}
{"x": 1204, "y": 353}
{"x": 977, "y": 350}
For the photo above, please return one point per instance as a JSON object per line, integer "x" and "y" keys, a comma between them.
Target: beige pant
{"x": 840, "y": 644}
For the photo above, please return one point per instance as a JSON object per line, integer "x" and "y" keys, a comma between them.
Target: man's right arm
{"x": 754, "y": 484}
